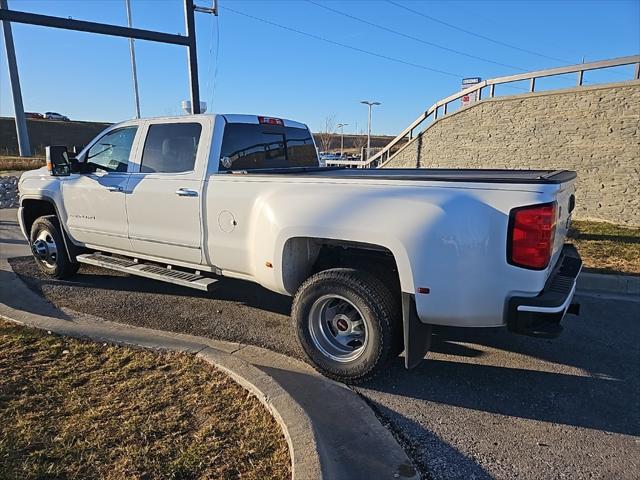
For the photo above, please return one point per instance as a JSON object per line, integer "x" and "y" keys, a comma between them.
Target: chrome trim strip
{"x": 96, "y": 232}
{"x": 163, "y": 242}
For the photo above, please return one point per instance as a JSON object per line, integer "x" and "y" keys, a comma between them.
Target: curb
{"x": 295, "y": 423}
{"x": 320, "y": 419}
{"x": 608, "y": 283}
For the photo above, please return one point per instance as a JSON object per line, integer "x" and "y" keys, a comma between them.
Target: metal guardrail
{"x": 438, "y": 109}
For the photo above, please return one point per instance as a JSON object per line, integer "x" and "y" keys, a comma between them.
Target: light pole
{"x": 370, "y": 104}
{"x": 132, "y": 54}
{"x": 341, "y": 127}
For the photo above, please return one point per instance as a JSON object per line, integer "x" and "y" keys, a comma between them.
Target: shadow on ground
{"x": 586, "y": 378}
{"x": 591, "y": 400}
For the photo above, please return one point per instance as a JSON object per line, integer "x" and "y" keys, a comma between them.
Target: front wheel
{"x": 347, "y": 322}
{"x": 49, "y": 250}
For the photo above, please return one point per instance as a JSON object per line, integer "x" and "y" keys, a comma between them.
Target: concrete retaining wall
{"x": 593, "y": 130}
{"x": 48, "y": 132}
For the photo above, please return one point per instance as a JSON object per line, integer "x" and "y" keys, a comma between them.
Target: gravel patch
{"x": 9, "y": 192}
{"x": 236, "y": 311}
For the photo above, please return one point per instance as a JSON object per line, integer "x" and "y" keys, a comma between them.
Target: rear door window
{"x": 248, "y": 146}
{"x": 171, "y": 148}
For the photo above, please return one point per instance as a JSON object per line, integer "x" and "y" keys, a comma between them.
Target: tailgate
{"x": 565, "y": 204}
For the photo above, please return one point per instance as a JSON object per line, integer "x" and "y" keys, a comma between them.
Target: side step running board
{"x": 147, "y": 270}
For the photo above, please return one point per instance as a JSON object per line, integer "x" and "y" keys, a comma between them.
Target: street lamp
{"x": 341, "y": 127}
{"x": 370, "y": 104}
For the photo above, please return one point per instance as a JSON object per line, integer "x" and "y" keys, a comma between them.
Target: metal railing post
{"x": 479, "y": 94}
{"x": 637, "y": 72}
{"x": 580, "y": 77}
{"x": 492, "y": 90}
{"x": 532, "y": 84}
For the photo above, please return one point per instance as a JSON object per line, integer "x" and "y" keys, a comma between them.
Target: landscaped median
{"x": 607, "y": 248}
{"x": 79, "y": 409}
{"x": 14, "y": 162}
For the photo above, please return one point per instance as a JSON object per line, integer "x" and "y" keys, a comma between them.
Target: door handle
{"x": 186, "y": 192}
{"x": 114, "y": 188}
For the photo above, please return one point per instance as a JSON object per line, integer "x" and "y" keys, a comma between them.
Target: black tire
{"x": 369, "y": 300}
{"x": 49, "y": 249}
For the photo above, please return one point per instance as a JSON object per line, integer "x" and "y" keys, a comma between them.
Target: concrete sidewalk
{"x": 594, "y": 283}
{"x": 332, "y": 433}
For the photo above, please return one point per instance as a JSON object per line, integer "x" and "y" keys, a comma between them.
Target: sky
{"x": 253, "y": 59}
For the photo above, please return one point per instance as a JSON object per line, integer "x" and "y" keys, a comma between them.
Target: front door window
{"x": 111, "y": 152}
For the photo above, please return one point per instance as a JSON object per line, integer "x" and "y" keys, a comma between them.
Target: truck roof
{"x": 229, "y": 118}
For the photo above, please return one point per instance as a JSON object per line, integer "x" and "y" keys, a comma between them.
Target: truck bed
{"x": 429, "y": 174}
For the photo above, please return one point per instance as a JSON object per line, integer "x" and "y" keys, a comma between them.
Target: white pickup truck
{"x": 373, "y": 258}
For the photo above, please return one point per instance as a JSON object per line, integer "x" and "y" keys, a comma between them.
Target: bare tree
{"x": 360, "y": 140}
{"x": 327, "y": 133}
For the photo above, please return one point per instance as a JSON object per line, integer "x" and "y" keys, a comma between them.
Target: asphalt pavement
{"x": 485, "y": 404}
{"x": 12, "y": 243}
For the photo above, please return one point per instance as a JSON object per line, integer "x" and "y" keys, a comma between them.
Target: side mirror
{"x": 58, "y": 162}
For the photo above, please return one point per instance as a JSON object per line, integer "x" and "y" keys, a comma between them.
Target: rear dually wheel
{"x": 347, "y": 322}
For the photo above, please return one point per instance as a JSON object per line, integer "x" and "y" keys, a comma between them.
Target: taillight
{"x": 271, "y": 121}
{"x": 531, "y": 234}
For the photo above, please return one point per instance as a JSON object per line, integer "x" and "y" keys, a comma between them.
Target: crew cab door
{"x": 163, "y": 198}
{"x": 95, "y": 202}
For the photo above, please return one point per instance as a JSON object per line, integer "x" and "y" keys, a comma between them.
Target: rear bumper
{"x": 541, "y": 315}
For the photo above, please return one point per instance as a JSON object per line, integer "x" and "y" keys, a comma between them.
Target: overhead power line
{"x": 417, "y": 39}
{"x": 343, "y": 45}
{"x": 212, "y": 91}
{"x": 478, "y": 35}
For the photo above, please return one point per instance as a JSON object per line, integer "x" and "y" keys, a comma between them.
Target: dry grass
{"x": 607, "y": 248}
{"x": 9, "y": 163}
{"x": 75, "y": 409}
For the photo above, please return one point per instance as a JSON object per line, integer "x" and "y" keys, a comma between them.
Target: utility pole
{"x": 189, "y": 41}
{"x": 192, "y": 57}
{"x": 14, "y": 80}
{"x": 370, "y": 104}
{"x": 341, "y": 127}
{"x": 132, "y": 54}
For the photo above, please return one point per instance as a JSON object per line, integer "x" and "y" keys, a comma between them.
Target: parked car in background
{"x": 34, "y": 115}
{"x": 330, "y": 156}
{"x": 324, "y": 157}
{"x": 56, "y": 116}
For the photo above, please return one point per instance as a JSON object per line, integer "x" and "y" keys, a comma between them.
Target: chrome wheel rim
{"x": 45, "y": 249}
{"x": 338, "y": 328}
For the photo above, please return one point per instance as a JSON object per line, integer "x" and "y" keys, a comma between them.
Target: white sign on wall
{"x": 473, "y": 96}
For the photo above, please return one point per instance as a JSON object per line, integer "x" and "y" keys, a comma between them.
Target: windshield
{"x": 248, "y": 146}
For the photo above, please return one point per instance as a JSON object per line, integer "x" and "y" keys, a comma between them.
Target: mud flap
{"x": 417, "y": 335}
{"x": 72, "y": 249}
